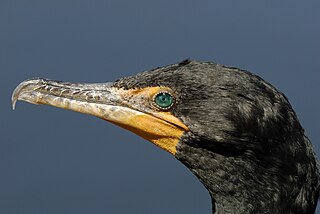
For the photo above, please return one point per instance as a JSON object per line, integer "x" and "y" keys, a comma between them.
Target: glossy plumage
{"x": 240, "y": 135}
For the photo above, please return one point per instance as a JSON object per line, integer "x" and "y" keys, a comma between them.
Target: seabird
{"x": 236, "y": 132}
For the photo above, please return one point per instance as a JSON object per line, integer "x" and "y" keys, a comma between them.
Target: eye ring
{"x": 163, "y": 100}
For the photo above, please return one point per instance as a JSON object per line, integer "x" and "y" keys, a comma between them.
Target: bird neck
{"x": 227, "y": 192}
{"x": 238, "y": 185}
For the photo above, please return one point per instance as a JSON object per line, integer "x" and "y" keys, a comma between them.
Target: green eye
{"x": 164, "y": 100}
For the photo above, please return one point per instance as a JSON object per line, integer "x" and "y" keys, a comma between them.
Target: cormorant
{"x": 236, "y": 132}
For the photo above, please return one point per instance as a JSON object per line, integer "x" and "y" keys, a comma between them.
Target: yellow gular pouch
{"x": 152, "y": 122}
{"x": 144, "y": 111}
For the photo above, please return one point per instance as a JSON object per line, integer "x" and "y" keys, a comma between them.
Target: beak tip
{"x": 14, "y": 100}
{"x": 13, "y": 105}
{"x": 16, "y": 95}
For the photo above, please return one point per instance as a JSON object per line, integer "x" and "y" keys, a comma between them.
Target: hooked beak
{"x": 126, "y": 108}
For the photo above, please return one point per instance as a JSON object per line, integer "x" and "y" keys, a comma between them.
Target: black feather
{"x": 245, "y": 143}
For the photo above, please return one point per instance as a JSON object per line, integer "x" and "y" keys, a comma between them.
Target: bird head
{"x": 233, "y": 130}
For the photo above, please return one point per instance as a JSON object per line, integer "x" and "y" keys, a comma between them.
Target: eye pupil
{"x": 164, "y": 100}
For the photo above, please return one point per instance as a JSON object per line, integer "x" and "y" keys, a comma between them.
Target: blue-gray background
{"x": 56, "y": 161}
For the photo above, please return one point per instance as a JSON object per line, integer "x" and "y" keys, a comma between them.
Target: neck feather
{"x": 238, "y": 184}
